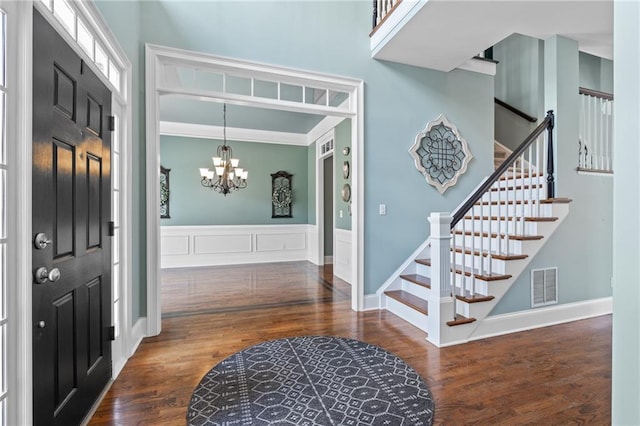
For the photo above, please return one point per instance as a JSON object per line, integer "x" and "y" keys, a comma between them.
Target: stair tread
{"x": 561, "y": 200}
{"x": 511, "y": 218}
{"x": 460, "y": 320}
{"x": 408, "y": 299}
{"x": 474, "y": 299}
{"x": 495, "y": 235}
{"x": 418, "y": 279}
{"x": 486, "y": 253}
{"x": 468, "y": 273}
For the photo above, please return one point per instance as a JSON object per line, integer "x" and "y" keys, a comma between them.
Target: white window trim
{"x": 156, "y": 57}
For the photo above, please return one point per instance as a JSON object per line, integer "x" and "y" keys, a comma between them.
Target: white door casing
{"x": 158, "y": 59}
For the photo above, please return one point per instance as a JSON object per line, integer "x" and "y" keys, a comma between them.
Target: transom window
{"x": 79, "y": 30}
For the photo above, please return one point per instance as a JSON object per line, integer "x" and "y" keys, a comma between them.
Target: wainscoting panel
{"x": 342, "y": 256}
{"x": 283, "y": 242}
{"x": 220, "y": 244}
{"x": 174, "y": 245}
{"x": 186, "y": 246}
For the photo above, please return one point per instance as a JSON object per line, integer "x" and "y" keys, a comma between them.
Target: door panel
{"x": 71, "y": 205}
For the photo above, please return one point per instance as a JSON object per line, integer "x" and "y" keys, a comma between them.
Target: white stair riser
{"x": 518, "y": 210}
{"x": 518, "y": 195}
{"x": 513, "y": 227}
{"x": 408, "y": 314}
{"x": 480, "y": 263}
{"x": 526, "y": 181}
{"x": 471, "y": 285}
{"x": 415, "y": 289}
{"x": 490, "y": 244}
{"x": 482, "y": 309}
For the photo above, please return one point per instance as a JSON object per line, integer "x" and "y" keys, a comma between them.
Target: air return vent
{"x": 544, "y": 287}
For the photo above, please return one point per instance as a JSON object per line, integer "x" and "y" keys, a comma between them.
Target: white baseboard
{"x": 498, "y": 325}
{"x": 138, "y": 332}
{"x": 371, "y": 302}
{"x": 328, "y": 260}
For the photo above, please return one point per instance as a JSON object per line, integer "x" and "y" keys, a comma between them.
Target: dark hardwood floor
{"x": 549, "y": 376}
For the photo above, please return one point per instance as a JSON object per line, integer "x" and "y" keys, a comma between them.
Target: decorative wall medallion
{"x": 164, "y": 193}
{"x": 281, "y": 195}
{"x": 441, "y": 154}
{"x": 346, "y": 193}
{"x": 345, "y": 170}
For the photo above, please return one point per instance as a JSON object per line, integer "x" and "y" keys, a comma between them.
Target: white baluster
{"x": 522, "y": 189}
{"x": 530, "y": 199}
{"x": 482, "y": 238}
{"x": 473, "y": 253}
{"x": 609, "y": 119}
{"x": 594, "y": 130}
{"x": 581, "y": 136}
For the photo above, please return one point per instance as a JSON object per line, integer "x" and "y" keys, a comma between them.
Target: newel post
{"x": 440, "y": 301}
{"x": 551, "y": 187}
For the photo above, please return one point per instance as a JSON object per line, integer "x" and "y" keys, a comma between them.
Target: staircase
{"x": 473, "y": 257}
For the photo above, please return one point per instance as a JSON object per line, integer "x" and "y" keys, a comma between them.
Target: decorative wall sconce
{"x": 164, "y": 193}
{"x": 441, "y": 154}
{"x": 281, "y": 194}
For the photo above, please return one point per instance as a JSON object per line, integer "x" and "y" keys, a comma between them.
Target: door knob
{"x": 41, "y": 241}
{"x": 54, "y": 275}
{"x": 42, "y": 324}
{"x": 42, "y": 275}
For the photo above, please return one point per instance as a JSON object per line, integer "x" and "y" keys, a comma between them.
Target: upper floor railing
{"x": 595, "y": 137}
{"x": 382, "y": 9}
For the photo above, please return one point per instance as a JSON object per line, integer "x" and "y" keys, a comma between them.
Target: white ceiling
{"x": 443, "y": 34}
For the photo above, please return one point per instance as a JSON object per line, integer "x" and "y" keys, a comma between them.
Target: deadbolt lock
{"x": 41, "y": 241}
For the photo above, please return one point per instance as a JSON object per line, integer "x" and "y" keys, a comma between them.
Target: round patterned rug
{"x": 311, "y": 380}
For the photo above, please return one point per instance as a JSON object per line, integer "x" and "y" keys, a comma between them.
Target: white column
{"x": 441, "y": 304}
{"x": 626, "y": 209}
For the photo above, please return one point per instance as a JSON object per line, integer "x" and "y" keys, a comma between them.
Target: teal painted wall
{"x": 625, "y": 409}
{"x": 596, "y": 73}
{"x": 584, "y": 270}
{"x": 518, "y": 73}
{"x": 342, "y": 140}
{"x": 399, "y": 101}
{"x": 520, "y": 83}
{"x": 193, "y": 204}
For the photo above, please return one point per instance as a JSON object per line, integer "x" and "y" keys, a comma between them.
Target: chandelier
{"x": 226, "y": 176}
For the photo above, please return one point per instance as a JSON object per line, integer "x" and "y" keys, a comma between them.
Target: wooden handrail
{"x": 547, "y": 124}
{"x": 595, "y": 93}
{"x": 515, "y": 110}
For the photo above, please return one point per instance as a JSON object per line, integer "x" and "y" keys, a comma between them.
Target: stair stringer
{"x": 465, "y": 332}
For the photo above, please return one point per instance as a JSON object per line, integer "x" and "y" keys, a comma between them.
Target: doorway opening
{"x": 213, "y": 79}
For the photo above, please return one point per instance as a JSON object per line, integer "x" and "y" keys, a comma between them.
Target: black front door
{"x": 72, "y": 247}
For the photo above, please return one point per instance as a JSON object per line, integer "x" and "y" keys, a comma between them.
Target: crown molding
{"x": 203, "y": 131}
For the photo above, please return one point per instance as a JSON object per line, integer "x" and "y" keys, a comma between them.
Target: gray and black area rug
{"x": 312, "y": 380}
